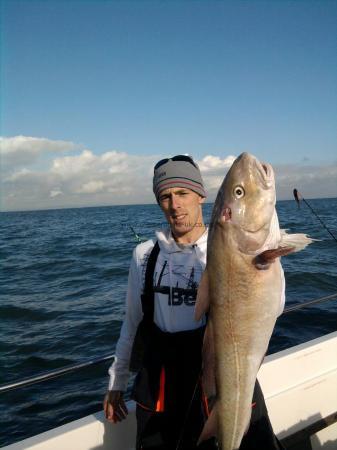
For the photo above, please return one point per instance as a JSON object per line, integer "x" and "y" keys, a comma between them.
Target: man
{"x": 159, "y": 337}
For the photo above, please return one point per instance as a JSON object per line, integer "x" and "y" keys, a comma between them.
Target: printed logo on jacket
{"x": 184, "y": 281}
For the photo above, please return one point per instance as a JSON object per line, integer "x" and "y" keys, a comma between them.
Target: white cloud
{"x": 213, "y": 170}
{"x": 89, "y": 179}
{"x": 70, "y": 166}
{"x": 91, "y": 188}
{"x": 311, "y": 181}
{"x": 24, "y": 150}
{"x": 85, "y": 179}
{"x": 215, "y": 165}
{"x": 17, "y": 175}
{"x": 55, "y": 193}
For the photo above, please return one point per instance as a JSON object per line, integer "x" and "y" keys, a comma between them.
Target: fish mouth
{"x": 266, "y": 173}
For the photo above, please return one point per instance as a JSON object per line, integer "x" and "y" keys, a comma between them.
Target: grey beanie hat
{"x": 178, "y": 171}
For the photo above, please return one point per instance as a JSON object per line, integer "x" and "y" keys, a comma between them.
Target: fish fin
{"x": 208, "y": 362}
{"x": 263, "y": 260}
{"x": 290, "y": 243}
{"x": 202, "y": 302}
{"x": 297, "y": 241}
{"x": 211, "y": 426}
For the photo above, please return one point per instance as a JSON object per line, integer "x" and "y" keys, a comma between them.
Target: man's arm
{"x": 114, "y": 406}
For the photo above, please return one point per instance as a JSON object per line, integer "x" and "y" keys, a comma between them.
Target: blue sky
{"x": 157, "y": 78}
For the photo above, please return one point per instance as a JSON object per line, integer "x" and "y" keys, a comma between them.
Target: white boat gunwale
{"x": 319, "y": 428}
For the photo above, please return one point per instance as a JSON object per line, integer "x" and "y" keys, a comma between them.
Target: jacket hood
{"x": 169, "y": 245}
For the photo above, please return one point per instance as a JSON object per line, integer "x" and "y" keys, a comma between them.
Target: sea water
{"x": 63, "y": 282}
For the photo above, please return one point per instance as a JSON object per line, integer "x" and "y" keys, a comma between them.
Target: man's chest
{"x": 176, "y": 278}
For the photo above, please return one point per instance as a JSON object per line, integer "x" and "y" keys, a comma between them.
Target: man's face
{"x": 182, "y": 209}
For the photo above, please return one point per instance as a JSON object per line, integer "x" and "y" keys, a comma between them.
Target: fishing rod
{"x": 137, "y": 237}
{"x": 299, "y": 197}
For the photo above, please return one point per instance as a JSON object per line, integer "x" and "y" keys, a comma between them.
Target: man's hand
{"x": 114, "y": 406}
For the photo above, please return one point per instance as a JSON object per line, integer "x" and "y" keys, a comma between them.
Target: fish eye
{"x": 239, "y": 192}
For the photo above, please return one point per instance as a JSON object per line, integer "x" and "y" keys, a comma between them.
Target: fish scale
{"x": 234, "y": 293}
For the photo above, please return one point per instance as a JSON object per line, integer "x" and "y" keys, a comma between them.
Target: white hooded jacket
{"x": 176, "y": 278}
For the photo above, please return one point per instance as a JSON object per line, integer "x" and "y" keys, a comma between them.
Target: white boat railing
{"x": 99, "y": 360}
{"x": 299, "y": 386}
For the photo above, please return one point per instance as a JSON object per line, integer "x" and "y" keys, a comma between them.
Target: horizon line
{"x": 60, "y": 208}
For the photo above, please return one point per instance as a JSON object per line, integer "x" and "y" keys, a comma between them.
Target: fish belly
{"x": 244, "y": 306}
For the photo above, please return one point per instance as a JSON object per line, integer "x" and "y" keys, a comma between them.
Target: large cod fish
{"x": 241, "y": 289}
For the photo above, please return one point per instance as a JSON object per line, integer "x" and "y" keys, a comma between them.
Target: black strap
{"x": 148, "y": 295}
